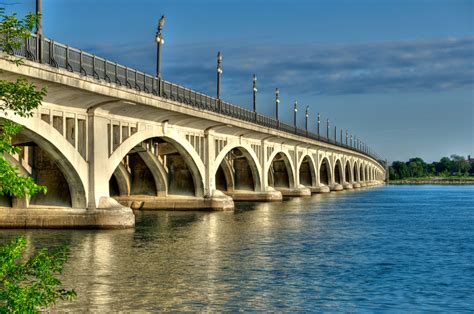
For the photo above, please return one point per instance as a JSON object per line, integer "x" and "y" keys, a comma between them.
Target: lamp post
{"x": 277, "y": 102}
{"x": 347, "y": 136}
{"x": 39, "y": 30}
{"x": 159, "y": 41}
{"x": 219, "y": 74}
{"x": 254, "y": 90}
{"x": 341, "y": 138}
{"x": 319, "y": 124}
{"x": 295, "y": 110}
{"x": 351, "y": 140}
{"x": 335, "y": 134}
{"x": 306, "y": 121}
{"x": 327, "y": 129}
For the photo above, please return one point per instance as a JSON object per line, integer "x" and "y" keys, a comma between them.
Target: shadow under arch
{"x": 355, "y": 172}
{"x": 338, "y": 172}
{"x": 361, "y": 173}
{"x": 280, "y": 171}
{"x": 325, "y": 172}
{"x": 307, "y": 171}
{"x": 181, "y": 145}
{"x": 55, "y": 147}
{"x": 348, "y": 172}
{"x": 234, "y": 164}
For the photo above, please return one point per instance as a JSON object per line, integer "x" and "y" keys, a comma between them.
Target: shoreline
{"x": 435, "y": 181}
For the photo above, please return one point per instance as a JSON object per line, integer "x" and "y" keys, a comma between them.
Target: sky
{"x": 398, "y": 74}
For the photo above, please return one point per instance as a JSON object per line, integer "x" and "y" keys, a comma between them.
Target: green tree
{"x": 460, "y": 164}
{"x": 416, "y": 167}
{"x": 28, "y": 285}
{"x": 25, "y": 286}
{"x": 444, "y": 166}
{"x": 398, "y": 171}
{"x": 18, "y": 98}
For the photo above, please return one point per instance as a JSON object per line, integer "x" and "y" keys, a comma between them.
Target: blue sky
{"x": 398, "y": 74}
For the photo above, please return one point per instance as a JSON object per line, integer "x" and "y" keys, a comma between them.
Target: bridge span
{"x": 107, "y": 139}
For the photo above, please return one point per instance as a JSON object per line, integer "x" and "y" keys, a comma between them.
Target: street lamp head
{"x": 161, "y": 23}
{"x": 254, "y": 77}
{"x": 219, "y": 57}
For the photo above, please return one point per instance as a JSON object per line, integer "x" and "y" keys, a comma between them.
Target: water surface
{"x": 398, "y": 248}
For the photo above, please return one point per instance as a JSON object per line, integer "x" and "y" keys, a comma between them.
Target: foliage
{"x": 13, "y": 30}
{"x": 454, "y": 167}
{"x": 26, "y": 285}
{"x": 20, "y": 98}
{"x": 29, "y": 284}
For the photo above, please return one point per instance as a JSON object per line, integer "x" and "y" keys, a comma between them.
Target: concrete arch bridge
{"x": 102, "y": 146}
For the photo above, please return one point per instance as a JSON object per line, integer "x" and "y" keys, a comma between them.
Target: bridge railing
{"x": 75, "y": 60}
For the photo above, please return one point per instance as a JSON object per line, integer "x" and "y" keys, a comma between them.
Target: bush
{"x": 28, "y": 285}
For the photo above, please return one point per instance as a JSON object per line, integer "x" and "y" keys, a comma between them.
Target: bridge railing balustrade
{"x": 75, "y": 60}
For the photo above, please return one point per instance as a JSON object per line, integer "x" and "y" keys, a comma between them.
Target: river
{"x": 397, "y": 248}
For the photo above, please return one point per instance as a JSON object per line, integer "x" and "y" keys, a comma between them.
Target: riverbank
{"x": 435, "y": 180}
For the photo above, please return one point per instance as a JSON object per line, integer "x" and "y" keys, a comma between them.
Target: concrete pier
{"x": 251, "y": 196}
{"x": 64, "y": 218}
{"x": 296, "y": 192}
{"x": 320, "y": 189}
{"x": 347, "y": 186}
{"x": 218, "y": 202}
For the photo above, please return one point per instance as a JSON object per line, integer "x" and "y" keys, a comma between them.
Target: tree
{"x": 460, "y": 164}
{"x": 416, "y": 167}
{"x": 400, "y": 171}
{"x": 18, "y": 98}
{"x": 445, "y": 165}
{"x": 27, "y": 286}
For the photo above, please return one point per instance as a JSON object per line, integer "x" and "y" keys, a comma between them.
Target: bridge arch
{"x": 182, "y": 146}
{"x": 355, "y": 172}
{"x": 68, "y": 160}
{"x": 325, "y": 174}
{"x": 280, "y": 170}
{"x": 348, "y": 173}
{"x": 119, "y": 184}
{"x": 236, "y": 173}
{"x": 307, "y": 171}
{"x": 338, "y": 172}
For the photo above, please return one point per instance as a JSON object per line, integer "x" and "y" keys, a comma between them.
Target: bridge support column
{"x": 110, "y": 214}
{"x": 218, "y": 200}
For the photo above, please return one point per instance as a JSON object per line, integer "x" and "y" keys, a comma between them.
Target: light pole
{"x": 341, "y": 138}
{"x": 219, "y": 74}
{"x": 347, "y": 136}
{"x": 255, "y": 93}
{"x": 319, "y": 124}
{"x": 39, "y": 30}
{"x": 159, "y": 41}
{"x": 277, "y": 102}
{"x": 295, "y": 110}
{"x": 351, "y": 141}
{"x": 306, "y": 121}
{"x": 327, "y": 129}
{"x": 335, "y": 134}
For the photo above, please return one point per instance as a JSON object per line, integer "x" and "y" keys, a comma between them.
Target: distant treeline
{"x": 417, "y": 168}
